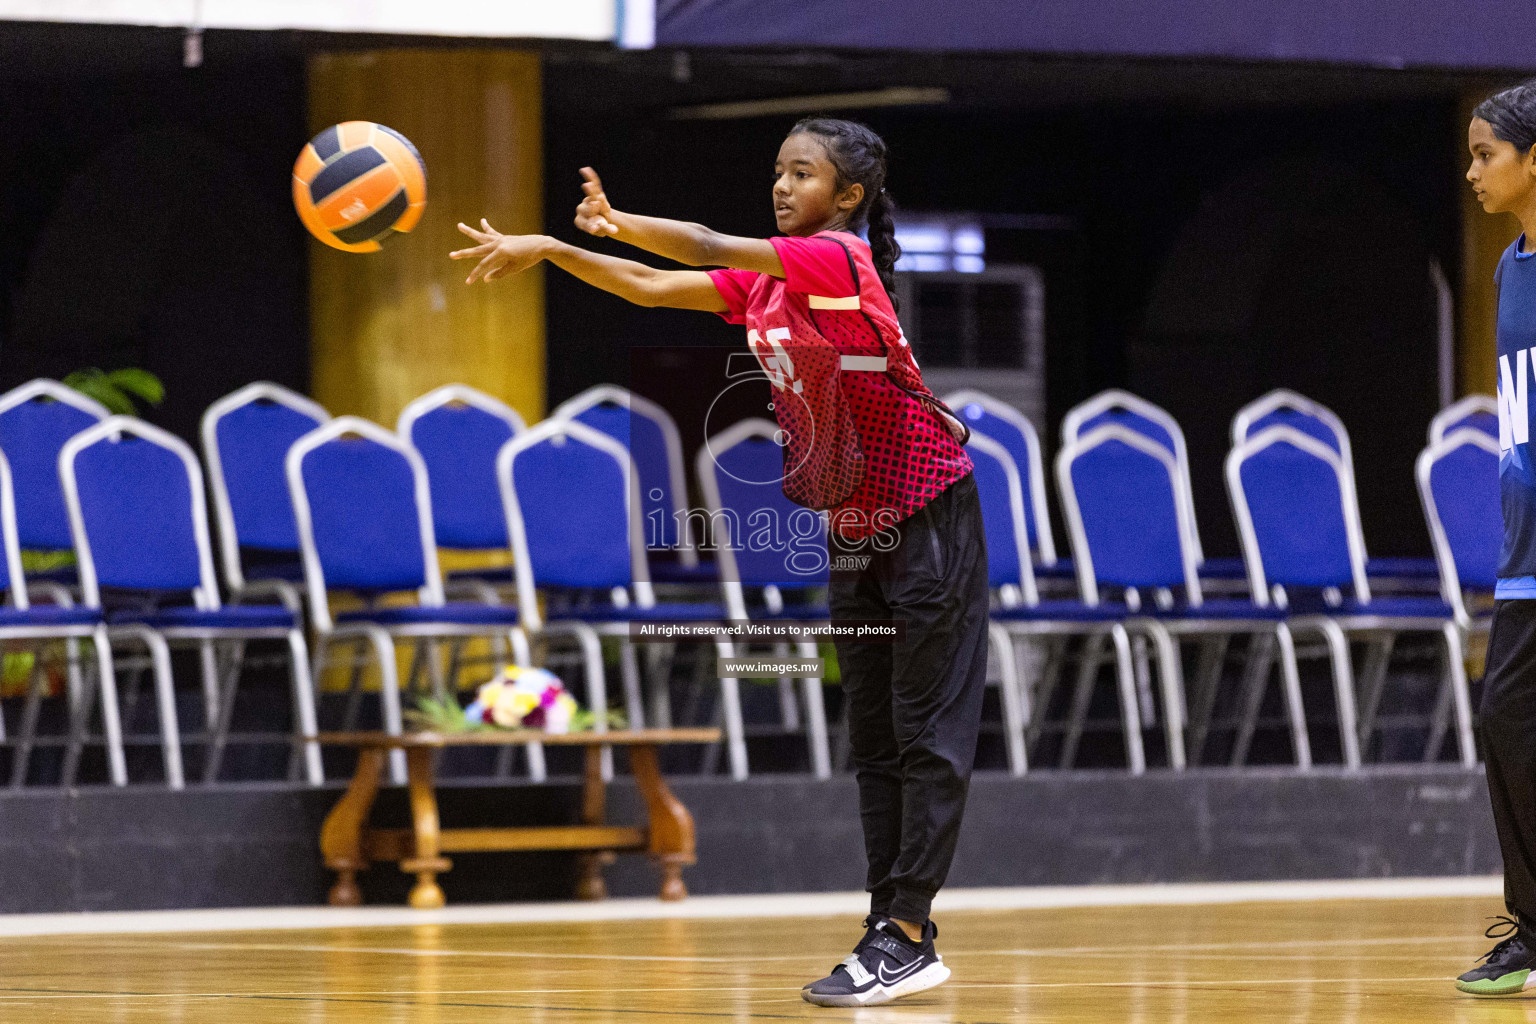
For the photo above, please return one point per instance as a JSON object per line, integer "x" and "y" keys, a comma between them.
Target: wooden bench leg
{"x": 426, "y": 864}
{"x": 341, "y": 837}
{"x": 671, "y": 828}
{"x": 594, "y": 799}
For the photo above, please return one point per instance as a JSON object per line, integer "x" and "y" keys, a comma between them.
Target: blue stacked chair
{"x": 1479, "y": 412}
{"x": 740, "y": 472}
{"x": 649, "y": 434}
{"x": 1283, "y": 407}
{"x": 1157, "y": 424}
{"x": 246, "y": 436}
{"x": 458, "y": 431}
{"x": 1127, "y": 510}
{"x": 1458, "y": 480}
{"x": 140, "y": 524}
{"x": 363, "y": 506}
{"x": 36, "y": 419}
{"x": 22, "y": 620}
{"x": 1019, "y": 613}
{"x": 1012, "y": 429}
{"x": 573, "y": 508}
{"x": 1296, "y": 514}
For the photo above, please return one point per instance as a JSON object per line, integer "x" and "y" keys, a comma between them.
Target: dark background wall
{"x": 1217, "y": 241}
{"x": 1221, "y": 228}
{"x": 145, "y": 218}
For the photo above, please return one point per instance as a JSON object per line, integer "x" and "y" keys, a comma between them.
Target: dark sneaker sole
{"x": 1504, "y": 985}
{"x": 929, "y": 977}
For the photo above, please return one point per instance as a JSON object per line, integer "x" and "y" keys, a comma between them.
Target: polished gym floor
{"x": 1349, "y": 953}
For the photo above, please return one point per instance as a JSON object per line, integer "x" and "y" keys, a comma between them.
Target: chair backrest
{"x": 1296, "y": 514}
{"x": 571, "y": 499}
{"x": 650, "y": 435}
{"x": 1127, "y": 510}
{"x": 137, "y": 512}
{"x": 458, "y": 432}
{"x": 761, "y": 538}
{"x": 1459, "y": 487}
{"x": 1480, "y": 412}
{"x": 10, "y": 549}
{"x": 36, "y": 418}
{"x": 364, "y": 513}
{"x": 1000, "y": 486}
{"x": 1285, "y": 408}
{"x": 246, "y": 436}
{"x": 1013, "y": 430}
{"x": 1152, "y": 421}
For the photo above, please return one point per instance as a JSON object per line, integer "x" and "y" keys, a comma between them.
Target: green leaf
{"x": 583, "y": 720}
{"x": 117, "y": 390}
{"x": 140, "y": 383}
{"x": 45, "y": 561}
{"x": 82, "y": 379}
{"x": 109, "y": 396}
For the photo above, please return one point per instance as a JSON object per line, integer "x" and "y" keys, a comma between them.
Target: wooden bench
{"x": 349, "y": 844}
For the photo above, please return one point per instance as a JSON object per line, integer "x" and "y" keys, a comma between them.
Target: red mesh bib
{"x": 823, "y": 460}
{"x": 863, "y": 436}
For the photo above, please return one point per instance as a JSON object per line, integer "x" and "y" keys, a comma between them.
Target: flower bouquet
{"x": 518, "y": 698}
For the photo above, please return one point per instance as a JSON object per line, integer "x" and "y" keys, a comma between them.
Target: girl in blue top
{"x": 1502, "y": 138}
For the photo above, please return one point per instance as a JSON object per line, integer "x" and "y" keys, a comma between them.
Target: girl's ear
{"x": 852, "y": 196}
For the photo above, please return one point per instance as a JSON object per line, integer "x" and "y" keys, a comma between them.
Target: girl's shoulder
{"x": 847, "y": 238}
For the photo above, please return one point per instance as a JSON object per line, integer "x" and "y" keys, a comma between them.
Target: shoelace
{"x": 1506, "y": 930}
{"x": 873, "y": 921}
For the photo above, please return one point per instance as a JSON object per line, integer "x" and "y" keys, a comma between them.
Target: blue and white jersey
{"x": 1516, "y": 281}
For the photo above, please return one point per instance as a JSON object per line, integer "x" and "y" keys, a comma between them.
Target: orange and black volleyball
{"x": 357, "y": 183}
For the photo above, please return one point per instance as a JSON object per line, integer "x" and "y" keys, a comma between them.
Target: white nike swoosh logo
{"x": 889, "y": 979}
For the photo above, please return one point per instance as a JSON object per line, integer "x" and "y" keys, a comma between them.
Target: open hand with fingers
{"x": 499, "y": 254}
{"x": 593, "y": 214}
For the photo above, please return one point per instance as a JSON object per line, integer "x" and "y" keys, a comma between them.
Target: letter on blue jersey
{"x": 1514, "y": 424}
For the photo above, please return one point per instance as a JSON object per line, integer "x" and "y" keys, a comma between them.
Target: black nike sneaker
{"x": 885, "y": 965}
{"x": 1506, "y": 968}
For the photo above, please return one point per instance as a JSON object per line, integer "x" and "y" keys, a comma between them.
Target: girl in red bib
{"x": 868, "y": 442}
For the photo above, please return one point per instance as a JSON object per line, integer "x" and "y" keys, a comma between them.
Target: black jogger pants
{"x": 914, "y": 707}
{"x": 1508, "y": 727}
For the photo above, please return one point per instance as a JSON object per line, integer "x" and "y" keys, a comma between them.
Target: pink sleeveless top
{"x": 829, "y": 313}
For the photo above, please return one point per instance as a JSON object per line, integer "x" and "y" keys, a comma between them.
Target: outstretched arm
{"x": 692, "y": 244}
{"x": 501, "y": 255}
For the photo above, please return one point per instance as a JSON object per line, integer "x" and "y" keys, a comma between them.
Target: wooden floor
{"x": 1344, "y": 961}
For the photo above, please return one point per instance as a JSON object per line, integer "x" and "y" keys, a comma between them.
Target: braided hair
{"x": 858, "y": 155}
{"x": 1512, "y": 115}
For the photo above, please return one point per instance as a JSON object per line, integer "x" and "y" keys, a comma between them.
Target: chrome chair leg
{"x": 1290, "y": 681}
{"x": 816, "y": 717}
{"x": 1135, "y": 750}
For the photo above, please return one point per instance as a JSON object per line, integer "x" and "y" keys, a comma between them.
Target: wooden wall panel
{"x": 1484, "y": 238}
{"x": 391, "y": 325}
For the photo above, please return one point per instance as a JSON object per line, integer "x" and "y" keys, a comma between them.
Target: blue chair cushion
{"x": 1221, "y": 609}
{"x": 656, "y": 613}
{"x": 491, "y": 574}
{"x": 793, "y": 613}
{"x": 1062, "y": 570}
{"x": 1411, "y": 568}
{"x": 237, "y": 616}
{"x": 1224, "y": 569}
{"x": 1394, "y": 607}
{"x": 64, "y": 576}
{"x": 49, "y": 615}
{"x": 676, "y": 572}
{"x": 458, "y": 613}
{"x": 1062, "y": 611}
{"x": 288, "y": 571}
